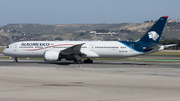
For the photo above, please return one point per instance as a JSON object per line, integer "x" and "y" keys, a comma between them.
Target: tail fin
{"x": 154, "y": 34}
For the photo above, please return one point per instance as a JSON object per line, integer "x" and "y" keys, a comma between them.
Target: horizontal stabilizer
{"x": 160, "y": 47}
{"x": 167, "y": 46}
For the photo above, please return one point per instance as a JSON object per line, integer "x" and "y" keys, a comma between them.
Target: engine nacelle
{"x": 51, "y": 56}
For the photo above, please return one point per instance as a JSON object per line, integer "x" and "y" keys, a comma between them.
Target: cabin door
{"x": 92, "y": 47}
{"x": 15, "y": 47}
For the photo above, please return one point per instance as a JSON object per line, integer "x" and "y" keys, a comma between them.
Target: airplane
{"x": 76, "y": 50}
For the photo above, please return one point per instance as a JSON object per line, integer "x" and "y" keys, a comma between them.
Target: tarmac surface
{"x": 104, "y": 80}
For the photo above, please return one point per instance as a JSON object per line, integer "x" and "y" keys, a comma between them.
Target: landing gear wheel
{"x": 15, "y": 59}
{"x": 78, "y": 61}
{"x": 88, "y": 61}
{"x": 75, "y": 62}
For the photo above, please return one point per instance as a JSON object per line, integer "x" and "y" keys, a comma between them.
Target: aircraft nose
{"x": 4, "y": 51}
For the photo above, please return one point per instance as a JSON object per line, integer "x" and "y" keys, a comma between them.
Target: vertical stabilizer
{"x": 154, "y": 33}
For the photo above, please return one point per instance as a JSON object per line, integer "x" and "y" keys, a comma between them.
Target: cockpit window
{"x": 7, "y": 47}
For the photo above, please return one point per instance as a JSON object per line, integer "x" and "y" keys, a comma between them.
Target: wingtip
{"x": 165, "y": 16}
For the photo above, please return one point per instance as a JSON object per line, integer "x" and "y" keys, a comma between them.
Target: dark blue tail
{"x": 154, "y": 34}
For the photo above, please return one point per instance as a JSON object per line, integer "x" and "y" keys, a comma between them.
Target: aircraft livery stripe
{"x": 130, "y": 47}
{"x": 48, "y": 47}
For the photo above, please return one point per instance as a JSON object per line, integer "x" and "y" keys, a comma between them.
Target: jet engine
{"x": 52, "y": 56}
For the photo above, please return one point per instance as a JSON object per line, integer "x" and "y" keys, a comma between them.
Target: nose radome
{"x": 4, "y": 52}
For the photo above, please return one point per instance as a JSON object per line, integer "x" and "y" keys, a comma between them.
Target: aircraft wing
{"x": 72, "y": 50}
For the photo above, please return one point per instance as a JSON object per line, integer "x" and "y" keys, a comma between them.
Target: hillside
{"x": 125, "y": 31}
{"x": 58, "y": 29}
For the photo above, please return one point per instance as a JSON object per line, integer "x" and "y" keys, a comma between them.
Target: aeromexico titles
{"x": 76, "y": 50}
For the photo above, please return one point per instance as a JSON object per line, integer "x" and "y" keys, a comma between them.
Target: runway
{"x": 105, "y": 80}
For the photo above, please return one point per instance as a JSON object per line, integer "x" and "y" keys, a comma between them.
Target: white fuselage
{"x": 91, "y": 49}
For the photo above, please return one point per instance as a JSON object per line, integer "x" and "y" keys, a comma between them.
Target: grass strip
{"x": 165, "y": 53}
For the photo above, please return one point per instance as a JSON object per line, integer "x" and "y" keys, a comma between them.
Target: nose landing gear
{"x": 15, "y": 59}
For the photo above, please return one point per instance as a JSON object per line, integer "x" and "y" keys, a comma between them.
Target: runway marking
{"x": 163, "y": 75}
{"x": 62, "y": 85}
{"x": 144, "y": 65}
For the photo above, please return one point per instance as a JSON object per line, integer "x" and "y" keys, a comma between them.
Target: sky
{"x": 54, "y": 12}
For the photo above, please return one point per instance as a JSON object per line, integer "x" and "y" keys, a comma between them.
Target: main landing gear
{"x": 88, "y": 60}
{"x": 79, "y": 61}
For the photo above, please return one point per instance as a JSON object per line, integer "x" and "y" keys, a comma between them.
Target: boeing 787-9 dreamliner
{"x": 75, "y": 50}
